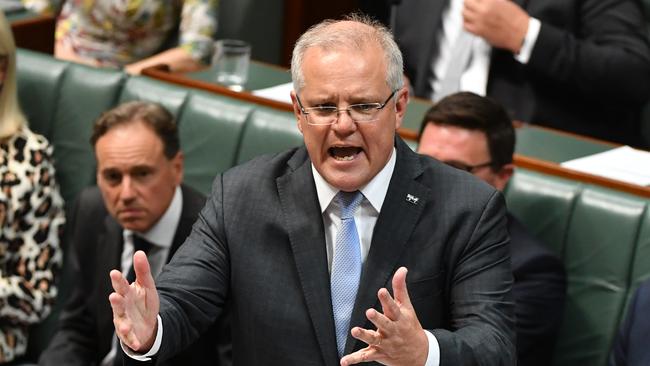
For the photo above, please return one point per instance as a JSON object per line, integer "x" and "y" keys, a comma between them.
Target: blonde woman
{"x": 31, "y": 215}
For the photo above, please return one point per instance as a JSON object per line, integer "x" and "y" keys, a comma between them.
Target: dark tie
{"x": 346, "y": 267}
{"x": 142, "y": 244}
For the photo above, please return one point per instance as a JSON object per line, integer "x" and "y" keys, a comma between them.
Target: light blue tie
{"x": 346, "y": 267}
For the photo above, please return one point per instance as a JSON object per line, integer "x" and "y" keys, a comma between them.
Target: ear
{"x": 296, "y": 110}
{"x": 178, "y": 162}
{"x": 503, "y": 176}
{"x": 400, "y": 106}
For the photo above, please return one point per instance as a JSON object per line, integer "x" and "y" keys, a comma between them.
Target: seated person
{"x": 474, "y": 134}
{"x": 31, "y": 215}
{"x": 135, "y": 35}
{"x": 139, "y": 204}
{"x": 631, "y": 345}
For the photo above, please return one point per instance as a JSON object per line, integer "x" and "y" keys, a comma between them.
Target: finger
{"x": 382, "y": 322}
{"x": 367, "y": 336}
{"x": 142, "y": 270}
{"x": 119, "y": 283}
{"x": 117, "y": 304}
{"x": 388, "y": 305}
{"x": 368, "y": 354}
{"x": 399, "y": 288}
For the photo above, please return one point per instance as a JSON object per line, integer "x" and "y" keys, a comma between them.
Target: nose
{"x": 344, "y": 123}
{"x": 127, "y": 190}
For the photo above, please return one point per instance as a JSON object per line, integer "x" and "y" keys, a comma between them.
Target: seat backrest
{"x": 599, "y": 235}
{"x": 210, "y": 130}
{"x": 268, "y": 131}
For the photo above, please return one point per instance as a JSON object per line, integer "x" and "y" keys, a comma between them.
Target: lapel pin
{"x": 412, "y": 199}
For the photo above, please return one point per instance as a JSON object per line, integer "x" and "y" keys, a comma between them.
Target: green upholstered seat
{"x": 168, "y": 95}
{"x": 268, "y": 131}
{"x": 210, "y": 129}
{"x": 39, "y": 79}
{"x": 598, "y": 233}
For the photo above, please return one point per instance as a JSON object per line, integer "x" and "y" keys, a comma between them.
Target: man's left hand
{"x": 502, "y": 23}
{"x": 399, "y": 338}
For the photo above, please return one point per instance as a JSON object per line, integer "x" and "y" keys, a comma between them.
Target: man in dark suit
{"x": 309, "y": 246}
{"x": 139, "y": 197}
{"x": 475, "y": 134}
{"x": 576, "y": 65}
{"x": 631, "y": 345}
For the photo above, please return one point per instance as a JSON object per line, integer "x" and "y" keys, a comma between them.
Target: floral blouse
{"x": 31, "y": 225}
{"x": 119, "y": 32}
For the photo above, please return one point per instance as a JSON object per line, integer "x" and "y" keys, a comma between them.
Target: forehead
{"x": 451, "y": 142}
{"x": 344, "y": 70}
{"x": 132, "y": 144}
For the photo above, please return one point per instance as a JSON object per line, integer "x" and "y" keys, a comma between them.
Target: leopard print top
{"x": 31, "y": 225}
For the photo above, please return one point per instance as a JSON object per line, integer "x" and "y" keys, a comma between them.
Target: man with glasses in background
{"x": 474, "y": 134}
{"x": 311, "y": 247}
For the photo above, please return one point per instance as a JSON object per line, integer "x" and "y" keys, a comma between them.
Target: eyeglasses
{"x": 327, "y": 115}
{"x": 465, "y": 167}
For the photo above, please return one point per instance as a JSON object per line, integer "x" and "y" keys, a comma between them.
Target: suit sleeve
{"x": 194, "y": 286}
{"x": 619, "y": 353}
{"x": 482, "y": 323}
{"x": 607, "y": 57}
{"x": 540, "y": 292}
{"x": 74, "y": 343}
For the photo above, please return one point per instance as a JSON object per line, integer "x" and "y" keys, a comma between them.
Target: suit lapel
{"x": 304, "y": 223}
{"x": 398, "y": 217}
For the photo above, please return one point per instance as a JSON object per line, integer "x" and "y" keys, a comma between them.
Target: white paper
{"x": 280, "y": 92}
{"x": 624, "y": 163}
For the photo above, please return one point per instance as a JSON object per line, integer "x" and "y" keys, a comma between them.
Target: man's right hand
{"x": 135, "y": 306}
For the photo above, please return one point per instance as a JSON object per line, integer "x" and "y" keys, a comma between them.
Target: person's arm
{"x": 607, "y": 57}
{"x": 186, "y": 305}
{"x": 31, "y": 226}
{"x": 197, "y": 28}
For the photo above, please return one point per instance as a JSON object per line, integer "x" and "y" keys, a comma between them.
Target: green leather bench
{"x": 602, "y": 235}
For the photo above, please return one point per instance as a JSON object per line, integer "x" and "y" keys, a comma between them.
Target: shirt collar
{"x": 162, "y": 233}
{"x": 374, "y": 191}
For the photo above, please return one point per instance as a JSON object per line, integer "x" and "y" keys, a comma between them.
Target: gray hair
{"x": 326, "y": 36}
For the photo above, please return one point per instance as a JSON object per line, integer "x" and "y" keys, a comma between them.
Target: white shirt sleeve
{"x": 530, "y": 39}
{"x": 154, "y": 349}
{"x": 433, "y": 358}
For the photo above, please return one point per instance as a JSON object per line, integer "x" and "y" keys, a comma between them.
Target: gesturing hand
{"x": 502, "y": 23}
{"x": 399, "y": 338}
{"x": 135, "y": 306}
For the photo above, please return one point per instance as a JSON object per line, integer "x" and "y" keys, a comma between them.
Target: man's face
{"x": 348, "y": 154}
{"x": 463, "y": 147}
{"x": 137, "y": 181}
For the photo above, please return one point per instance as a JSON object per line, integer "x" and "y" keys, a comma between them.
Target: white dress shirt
{"x": 475, "y": 76}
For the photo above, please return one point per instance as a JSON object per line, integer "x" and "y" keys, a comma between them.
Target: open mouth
{"x": 344, "y": 153}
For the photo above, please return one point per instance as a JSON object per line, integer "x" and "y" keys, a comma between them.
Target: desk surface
{"x": 538, "y": 148}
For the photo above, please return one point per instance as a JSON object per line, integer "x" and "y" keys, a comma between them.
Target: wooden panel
{"x": 35, "y": 33}
{"x": 299, "y": 15}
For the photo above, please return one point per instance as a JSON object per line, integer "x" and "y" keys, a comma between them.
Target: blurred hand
{"x": 502, "y": 23}
{"x": 135, "y": 306}
{"x": 399, "y": 339}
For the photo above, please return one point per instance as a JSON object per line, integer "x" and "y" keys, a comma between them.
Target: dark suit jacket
{"x": 631, "y": 345}
{"x": 539, "y": 291}
{"x": 259, "y": 244}
{"x": 589, "y": 71}
{"x": 86, "y": 324}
